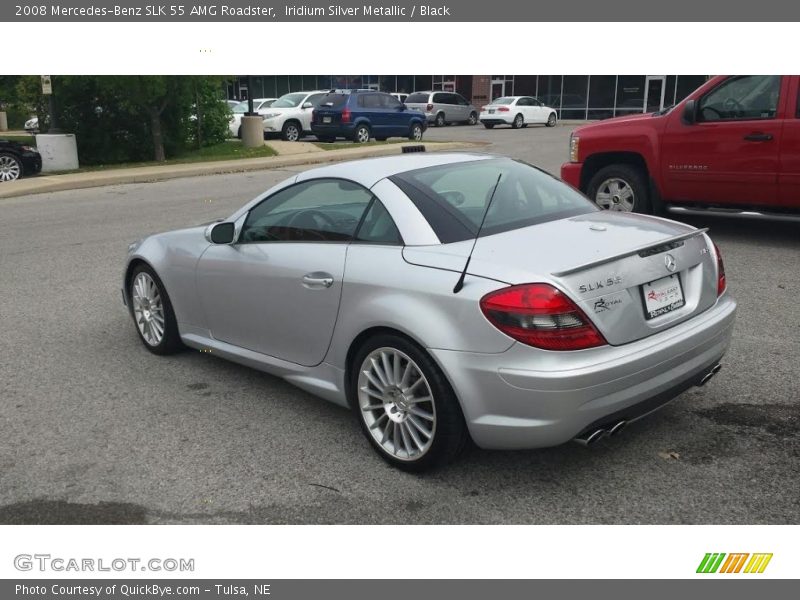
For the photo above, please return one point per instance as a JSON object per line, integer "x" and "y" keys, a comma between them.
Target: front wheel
{"x": 10, "y": 167}
{"x": 415, "y": 134}
{"x": 152, "y": 312}
{"x": 291, "y": 131}
{"x": 361, "y": 134}
{"x": 620, "y": 188}
{"x": 405, "y": 405}
{"x": 473, "y": 118}
{"x": 551, "y": 120}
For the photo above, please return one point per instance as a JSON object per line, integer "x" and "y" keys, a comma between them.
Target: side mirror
{"x": 308, "y": 105}
{"x": 689, "y": 116}
{"x": 221, "y": 233}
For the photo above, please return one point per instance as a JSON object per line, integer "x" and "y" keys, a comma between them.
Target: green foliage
{"x": 124, "y": 118}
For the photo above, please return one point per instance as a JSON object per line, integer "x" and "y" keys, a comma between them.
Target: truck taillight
{"x": 537, "y": 314}
{"x": 429, "y": 107}
{"x": 346, "y": 115}
{"x": 721, "y": 281}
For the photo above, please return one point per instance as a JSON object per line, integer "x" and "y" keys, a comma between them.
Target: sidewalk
{"x": 300, "y": 153}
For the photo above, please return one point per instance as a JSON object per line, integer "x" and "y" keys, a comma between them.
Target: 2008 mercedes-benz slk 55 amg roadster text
{"x": 444, "y": 297}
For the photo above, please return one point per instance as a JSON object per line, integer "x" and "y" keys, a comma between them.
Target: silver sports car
{"x": 444, "y": 297}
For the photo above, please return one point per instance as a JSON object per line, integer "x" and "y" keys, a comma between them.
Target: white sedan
{"x": 517, "y": 111}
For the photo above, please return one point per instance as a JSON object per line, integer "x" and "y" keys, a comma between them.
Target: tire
{"x": 489, "y": 125}
{"x": 518, "y": 122}
{"x": 620, "y": 187}
{"x": 415, "y": 133}
{"x": 415, "y": 376}
{"x": 145, "y": 314}
{"x": 361, "y": 135}
{"x": 473, "y": 118}
{"x": 552, "y": 120}
{"x": 10, "y": 167}
{"x": 291, "y": 131}
{"x": 239, "y": 132}
{"x": 440, "y": 122}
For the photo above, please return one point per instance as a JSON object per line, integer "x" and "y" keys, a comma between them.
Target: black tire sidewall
{"x": 517, "y": 122}
{"x": 552, "y": 120}
{"x": 451, "y": 434}
{"x": 414, "y": 127}
{"x": 285, "y": 130}
{"x": 359, "y": 128}
{"x": 632, "y": 176}
{"x": 171, "y": 341}
{"x": 440, "y": 120}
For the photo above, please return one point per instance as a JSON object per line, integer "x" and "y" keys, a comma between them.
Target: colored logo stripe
{"x": 733, "y": 564}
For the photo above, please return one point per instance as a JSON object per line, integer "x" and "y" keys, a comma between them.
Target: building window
{"x": 630, "y": 94}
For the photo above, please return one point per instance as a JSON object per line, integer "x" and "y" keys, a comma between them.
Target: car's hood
{"x": 521, "y": 255}
{"x": 615, "y": 121}
{"x": 282, "y": 111}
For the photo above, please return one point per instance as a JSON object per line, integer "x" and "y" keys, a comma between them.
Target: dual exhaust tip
{"x": 593, "y": 436}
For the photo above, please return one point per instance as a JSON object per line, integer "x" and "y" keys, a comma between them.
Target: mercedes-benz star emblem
{"x": 669, "y": 261}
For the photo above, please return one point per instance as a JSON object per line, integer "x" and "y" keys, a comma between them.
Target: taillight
{"x": 502, "y": 109}
{"x": 346, "y": 115}
{"x": 721, "y": 282}
{"x": 429, "y": 107}
{"x": 483, "y": 108}
{"x": 537, "y": 314}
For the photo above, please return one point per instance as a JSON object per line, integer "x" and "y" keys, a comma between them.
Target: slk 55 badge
{"x": 596, "y": 285}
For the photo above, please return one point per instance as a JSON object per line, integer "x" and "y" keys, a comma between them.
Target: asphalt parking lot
{"x": 95, "y": 429}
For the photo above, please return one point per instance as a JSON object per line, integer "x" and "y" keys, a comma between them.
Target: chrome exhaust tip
{"x": 591, "y": 437}
{"x": 619, "y": 426}
{"x": 707, "y": 377}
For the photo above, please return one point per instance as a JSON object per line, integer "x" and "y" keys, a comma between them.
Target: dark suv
{"x": 359, "y": 115}
{"x": 17, "y": 160}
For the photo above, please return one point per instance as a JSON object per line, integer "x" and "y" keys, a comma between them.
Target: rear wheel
{"x": 361, "y": 134}
{"x": 152, "y": 312}
{"x": 440, "y": 122}
{"x": 10, "y": 167}
{"x": 473, "y": 118}
{"x": 405, "y": 405}
{"x": 621, "y": 188}
{"x": 291, "y": 131}
{"x": 415, "y": 133}
{"x": 518, "y": 122}
{"x": 488, "y": 125}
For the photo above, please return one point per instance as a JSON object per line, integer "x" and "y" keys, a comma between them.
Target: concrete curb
{"x": 74, "y": 181}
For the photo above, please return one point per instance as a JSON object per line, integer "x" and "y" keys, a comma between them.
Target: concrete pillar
{"x": 252, "y": 131}
{"x": 59, "y": 151}
{"x": 3, "y": 121}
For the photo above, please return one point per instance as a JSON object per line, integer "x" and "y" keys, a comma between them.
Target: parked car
{"x": 290, "y": 115}
{"x": 232, "y": 103}
{"x": 260, "y": 105}
{"x": 18, "y": 160}
{"x": 358, "y": 116}
{"x": 400, "y": 96}
{"x": 441, "y": 108}
{"x": 732, "y": 143}
{"x": 444, "y": 296}
{"x": 517, "y": 111}
{"x": 32, "y": 125}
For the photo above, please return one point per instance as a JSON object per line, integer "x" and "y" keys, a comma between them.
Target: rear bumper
{"x": 530, "y": 398}
{"x": 496, "y": 119}
{"x": 345, "y": 131}
{"x": 571, "y": 174}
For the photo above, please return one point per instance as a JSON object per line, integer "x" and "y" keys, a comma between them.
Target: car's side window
{"x": 370, "y": 100}
{"x": 461, "y": 100}
{"x": 742, "y": 98}
{"x": 322, "y": 210}
{"x": 438, "y": 99}
{"x": 378, "y": 227}
{"x": 390, "y": 101}
{"x": 524, "y": 102}
{"x": 315, "y": 98}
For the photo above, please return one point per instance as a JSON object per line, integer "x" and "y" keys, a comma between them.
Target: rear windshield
{"x": 333, "y": 101}
{"x": 417, "y": 98}
{"x": 453, "y": 197}
{"x": 503, "y": 100}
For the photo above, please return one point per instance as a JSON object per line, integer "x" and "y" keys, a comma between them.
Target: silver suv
{"x": 441, "y": 108}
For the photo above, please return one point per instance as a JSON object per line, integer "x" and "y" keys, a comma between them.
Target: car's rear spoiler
{"x": 648, "y": 250}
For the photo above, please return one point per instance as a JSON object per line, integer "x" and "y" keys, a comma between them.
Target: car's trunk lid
{"x": 605, "y": 262}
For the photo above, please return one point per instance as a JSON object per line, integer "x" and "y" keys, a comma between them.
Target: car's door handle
{"x": 317, "y": 280}
{"x": 758, "y": 137}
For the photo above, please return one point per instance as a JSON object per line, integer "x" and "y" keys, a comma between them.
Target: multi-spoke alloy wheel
{"x": 148, "y": 309}
{"x": 397, "y": 403}
{"x": 10, "y": 168}
{"x": 405, "y": 404}
{"x": 615, "y": 194}
{"x": 152, "y": 312}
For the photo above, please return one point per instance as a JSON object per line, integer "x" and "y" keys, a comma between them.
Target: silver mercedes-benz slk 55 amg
{"x": 444, "y": 297}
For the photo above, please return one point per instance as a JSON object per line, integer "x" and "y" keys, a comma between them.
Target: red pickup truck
{"x": 733, "y": 143}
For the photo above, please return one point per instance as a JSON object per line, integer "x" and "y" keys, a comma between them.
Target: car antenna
{"x": 460, "y": 282}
